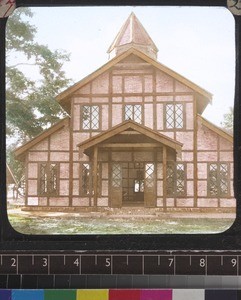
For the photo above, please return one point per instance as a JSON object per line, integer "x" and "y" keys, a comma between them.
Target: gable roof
{"x": 20, "y": 151}
{"x": 132, "y": 33}
{"x": 223, "y": 133}
{"x": 65, "y": 97}
{"x": 126, "y": 125}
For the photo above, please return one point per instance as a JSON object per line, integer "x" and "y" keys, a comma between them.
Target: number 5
{"x": 107, "y": 262}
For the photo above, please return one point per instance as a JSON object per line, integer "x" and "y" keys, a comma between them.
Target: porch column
{"x": 164, "y": 165}
{"x": 95, "y": 175}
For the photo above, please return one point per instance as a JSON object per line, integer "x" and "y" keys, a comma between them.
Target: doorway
{"x": 133, "y": 184}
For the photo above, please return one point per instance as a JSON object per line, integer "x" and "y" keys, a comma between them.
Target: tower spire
{"x": 133, "y": 35}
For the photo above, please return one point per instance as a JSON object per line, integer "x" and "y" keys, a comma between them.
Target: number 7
{"x": 170, "y": 261}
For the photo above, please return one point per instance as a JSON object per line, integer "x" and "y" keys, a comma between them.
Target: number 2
{"x": 13, "y": 262}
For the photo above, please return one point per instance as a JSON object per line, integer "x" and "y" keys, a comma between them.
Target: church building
{"x": 134, "y": 137}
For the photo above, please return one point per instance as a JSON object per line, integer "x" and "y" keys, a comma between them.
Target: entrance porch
{"x": 133, "y": 153}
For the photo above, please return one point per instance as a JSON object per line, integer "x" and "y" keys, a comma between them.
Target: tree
{"x": 30, "y": 103}
{"x": 227, "y": 122}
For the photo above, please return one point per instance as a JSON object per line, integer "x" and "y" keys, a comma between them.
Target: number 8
{"x": 202, "y": 263}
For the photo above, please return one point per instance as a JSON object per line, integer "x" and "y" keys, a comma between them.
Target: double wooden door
{"x": 133, "y": 184}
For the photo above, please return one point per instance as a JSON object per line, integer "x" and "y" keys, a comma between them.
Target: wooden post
{"x": 164, "y": 166}
{"x": 95, "y": 175}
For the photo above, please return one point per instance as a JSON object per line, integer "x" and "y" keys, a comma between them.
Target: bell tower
{"x": 133, "y": 35}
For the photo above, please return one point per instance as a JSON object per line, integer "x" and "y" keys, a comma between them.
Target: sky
{"x": 196, "y": 42}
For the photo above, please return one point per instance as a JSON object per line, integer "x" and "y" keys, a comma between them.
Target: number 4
{"x": 76, "y": 262}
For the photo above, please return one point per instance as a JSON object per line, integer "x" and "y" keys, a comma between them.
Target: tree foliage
{"x": 34, "y": 76}
{"x": 30, "y": 104}
{"x": 227, "y": 122}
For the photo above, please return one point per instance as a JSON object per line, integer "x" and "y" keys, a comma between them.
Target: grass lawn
{"x": 103, "y": 225}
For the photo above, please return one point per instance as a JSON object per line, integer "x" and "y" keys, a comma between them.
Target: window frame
{"x": 82, "y": 193}
{"x": 174, "y": 181}
{"x": 49, "y": 191}
{"x": 82, "y": 117}
{"x": 132, "y": 112}
{"x": 174, "y": 104}
{"x": 219, "y": 194}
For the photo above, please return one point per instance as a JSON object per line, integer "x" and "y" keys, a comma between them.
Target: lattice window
{"x": 90, "y": 117}
{"x": 180, "y": 180}
{"x": 218, "y": 183}
{"x": 149, "y": 175}
{"x": 53, "y": 178}
{"x": 174, "y": 116}
{"x": 170, "y": 180}
{"x": 86, "y": 186}
{"x": 176, "y": 179}
{"x": 133, "y": 112}
{"x": 116, "y": 175}
{"x": 43, "y": 179}
{"x": 48, "y": 179}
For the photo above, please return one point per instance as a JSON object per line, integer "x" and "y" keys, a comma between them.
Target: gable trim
{"x": 20, "y": 151}
{"x": 216, "y": 129}
{"x": 62, "y": 97}
{"x": 130, "y": 125}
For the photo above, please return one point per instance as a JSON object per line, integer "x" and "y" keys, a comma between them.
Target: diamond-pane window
{"x": 175, "y": 181}
{"x": 174, "y": 116}
{"x": 43, "y": 179}
{"x": 149, "y": 175}
{"x": 180, "y": 180}
{"x": 86, "y": 180}
{"x": 53, "y": 178}
{"x": 90, "y": 117}
{"x": 133, "y": 112}
{"x": 48, "y": 178}
{"x": 218, "y": 183}
{"x": 116, "y": 175}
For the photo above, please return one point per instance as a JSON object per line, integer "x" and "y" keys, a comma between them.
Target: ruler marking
{"x": 21, "y": 281}
{"x": 17, "y": 264}
{"x": 48, "y": 264}
{"x": 80, "y": 264}
{"x": 237, "y": 265}
{"x": 206, "y": 265}
{"x": 174, "y": 267}
{"x": 143, "y": 265}
{"x": 111, "y": 266}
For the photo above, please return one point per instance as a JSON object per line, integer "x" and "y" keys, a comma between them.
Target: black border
{"x": 229, "y": 240}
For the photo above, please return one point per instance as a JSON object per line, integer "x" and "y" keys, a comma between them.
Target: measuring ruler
{"x": 121, "y": 264}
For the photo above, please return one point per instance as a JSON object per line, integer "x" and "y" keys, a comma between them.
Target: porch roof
{"x": 104, "y": 137}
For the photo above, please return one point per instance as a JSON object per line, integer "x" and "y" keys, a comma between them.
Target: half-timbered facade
{"x": 135, "y": 136}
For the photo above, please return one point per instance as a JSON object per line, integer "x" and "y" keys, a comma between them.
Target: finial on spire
{"x": 133, "y": 34}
